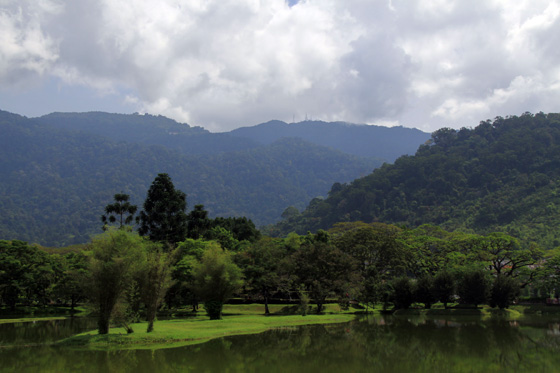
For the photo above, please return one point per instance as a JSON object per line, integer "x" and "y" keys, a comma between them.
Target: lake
{"x": 372, "y": 344}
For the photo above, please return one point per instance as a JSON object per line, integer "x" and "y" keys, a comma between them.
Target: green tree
{"x": 505, "y": 256}
{"x": 25, "y": 273}
{"x": 198, "y": 222}
{"x": 69, "y": 286}
{"x": 224, "y": 237}
{"x": 424, "y": 291}
{"x": 403, "y": 292}
{"x": 262, "y": 265}
{"x": 444, "y": 287}
{"x": 473, "y": 286}
{"x": 116, "y": 258}
{"x": 216, "y": 279}
{"x": 156, "y": 280}
{"x": 163, "y": 218}
{"x": 504, "y": 291}
{"x": 189, "y": 254}
{"x": 241, "y": 228}
{"x": 323, "y": 269}
{"x": 116, "y": 211}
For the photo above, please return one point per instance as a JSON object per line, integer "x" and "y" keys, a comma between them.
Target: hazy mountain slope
{"x": 150, "y": 130}
{"x": 500, "y": 176}
{"x": 55, "y": 182}
{"x": 362, "y": 140}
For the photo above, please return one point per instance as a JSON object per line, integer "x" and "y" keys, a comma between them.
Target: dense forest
{"x": 503, "y": 175}
{"x": 55, "y": 181}
{"x": 360, "y": 140}
{"x": 147, "y": 130}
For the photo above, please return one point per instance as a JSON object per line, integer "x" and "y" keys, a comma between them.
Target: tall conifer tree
{"x": 164, "y": 218}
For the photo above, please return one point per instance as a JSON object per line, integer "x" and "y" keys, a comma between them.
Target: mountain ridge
{"x": 57, "y": 181}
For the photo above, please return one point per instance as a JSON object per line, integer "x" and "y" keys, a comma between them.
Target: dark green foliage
{"x": 56, "y": 182}
{"x": 264, "y": 269}
{"x": 148, "y": 130}
{"x": 198, "y": 222}
{"x": 69, "y": 287}
{"x": 362, "y": 140}
{"x": 216, "y": 279}
{"x": 241, "y": 228}
{"x": 444, "y": 287}
{"x": 26, "y": 273}
{"x": 403, "y": 292}
{"x": 502, "y": 175}
{"x": 163, "y": 218}
{"x": 117, "y": 257}
{"x": 214, "y": 309}
{"x": 504, "y": 291}
{"x": 156, "y": 281}
{"x": 322, "y": 268}
{"x": 473, "y": 287}
{"x": 424, "y": 291}
{"x": 116, "y": 211}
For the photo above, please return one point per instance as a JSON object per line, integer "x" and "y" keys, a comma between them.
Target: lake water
{"x": 373, "y": 344}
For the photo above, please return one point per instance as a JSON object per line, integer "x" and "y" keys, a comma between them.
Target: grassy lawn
{"x": 181, "y": 332}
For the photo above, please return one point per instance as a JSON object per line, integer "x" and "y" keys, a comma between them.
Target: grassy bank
{"x": 182, "y": 332}
{"x": 31, "y": 319}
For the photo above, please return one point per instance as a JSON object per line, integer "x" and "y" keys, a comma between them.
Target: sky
{"x": 223, "y": 64}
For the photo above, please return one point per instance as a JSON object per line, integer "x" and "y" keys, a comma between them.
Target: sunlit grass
{"x": 181, "y": 332}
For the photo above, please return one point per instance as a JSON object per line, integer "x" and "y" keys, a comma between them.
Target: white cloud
{"x": 25, "y": 50}
{"x": 227, "y": 63}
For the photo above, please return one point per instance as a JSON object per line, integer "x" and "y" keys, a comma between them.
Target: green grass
{"x": 31, "y": 319}
{"x": 182, "y": 332}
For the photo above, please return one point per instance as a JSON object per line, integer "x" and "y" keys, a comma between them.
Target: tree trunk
{"x": 103, "y": 324}
{"x": 105, "y": 310}
{"x": 266, "y": 310}
{"x": 150, "y": 317}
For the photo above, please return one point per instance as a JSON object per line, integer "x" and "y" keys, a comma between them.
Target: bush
{"x": 424, "y": 292}
{"x": 403, "y": 293}
{"x": 473, "y": 287}
{"x": 504, "y": 291}
{"x": 444, "y": 287}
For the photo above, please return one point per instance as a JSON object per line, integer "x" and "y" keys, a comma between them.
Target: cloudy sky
{"x": 223, "y": 64}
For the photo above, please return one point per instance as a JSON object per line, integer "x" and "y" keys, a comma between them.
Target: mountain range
{"x": 60, "y": 170}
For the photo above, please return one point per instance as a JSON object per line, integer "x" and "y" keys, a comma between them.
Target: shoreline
{"x": 184, "y": 332}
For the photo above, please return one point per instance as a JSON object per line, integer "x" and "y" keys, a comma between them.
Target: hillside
{"x": 388, "y": 143}
{"x": 55, "y": 182}
{"x": 500, "y": 176}
{"x": 360, "y": 140}
{"x": 148, "y": 130}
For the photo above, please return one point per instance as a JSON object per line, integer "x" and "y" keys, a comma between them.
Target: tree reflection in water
{"x": 386, "y": 344}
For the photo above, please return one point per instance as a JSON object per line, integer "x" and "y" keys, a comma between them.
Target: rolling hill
{"x": 502, "y": 175}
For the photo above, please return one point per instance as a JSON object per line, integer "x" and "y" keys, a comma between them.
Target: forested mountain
{"x": 503, "y": 175}
{"x": 55, "y": 182}
{"x": 149, "y": 130}
{"x": 361, "y": 140}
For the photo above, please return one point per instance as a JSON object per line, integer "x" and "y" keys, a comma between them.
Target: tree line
{"x": 501, "y": 175}
{"x": 177, "y": 259}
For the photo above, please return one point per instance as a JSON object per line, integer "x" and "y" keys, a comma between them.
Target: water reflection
{"x": 385, "y": 344}
{"x": 34, "y": 332}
